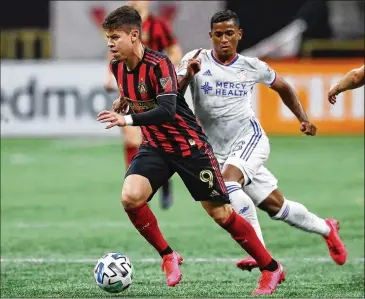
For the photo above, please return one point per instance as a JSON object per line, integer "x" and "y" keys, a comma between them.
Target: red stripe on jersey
{"x": 148, "y": 136}
{"x": 192, "y": 133}
{"x": 153, "y": 79}
{"x": 162, "y": 138}
{"x": 120, "y": 79}
{"x": 131, "y": 91}
{"x": 153, "y": 55}
{"x": 184, "y": 146}
{"x": 217, "y": 172}
{"x": 151, "y": 58}
{"x": 142, "y": 87}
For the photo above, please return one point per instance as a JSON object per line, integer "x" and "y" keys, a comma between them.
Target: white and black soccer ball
{"x": 114, "y": 272}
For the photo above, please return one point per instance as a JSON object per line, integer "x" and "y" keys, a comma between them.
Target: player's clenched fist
{"x": 114, "y": 118}
{"x": 120, "y": 105}
{"x": 308, "y": 128}
{"x": 194, "y": 64}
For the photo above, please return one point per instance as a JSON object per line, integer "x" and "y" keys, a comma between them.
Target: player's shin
{"x": 298, "y": 216}
{"x": 244, "y": 234}
{"x": 146, "y": 223}
{"x": 243, "y": 205}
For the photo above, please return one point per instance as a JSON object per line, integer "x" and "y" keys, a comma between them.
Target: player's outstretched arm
{"x": 353, "y": 79}
{"x": 291, "y": 100}
{"x": 193, "y": 67}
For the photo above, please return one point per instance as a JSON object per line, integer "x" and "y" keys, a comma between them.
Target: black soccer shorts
{"x": 199, "y": 171}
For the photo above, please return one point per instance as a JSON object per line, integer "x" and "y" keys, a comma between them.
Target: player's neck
{"x": 135, "y": 58}
{"x": 224, "y": 59}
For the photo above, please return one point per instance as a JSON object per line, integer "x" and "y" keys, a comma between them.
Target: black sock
{"x": 168, "y": 250}
{"x": 272, "y": 266}
{"x": 166, "y": 188}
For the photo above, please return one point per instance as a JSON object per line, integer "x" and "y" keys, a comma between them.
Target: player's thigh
{"x": 147, "y": 166}
{"x": 201, "y": 176}
{"x": 261, "y": 186}
{"x": 249, "y": 154}
{"x": 132, "y": 136}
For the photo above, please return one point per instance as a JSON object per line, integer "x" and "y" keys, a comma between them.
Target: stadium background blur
{"x": 61, "y": 172}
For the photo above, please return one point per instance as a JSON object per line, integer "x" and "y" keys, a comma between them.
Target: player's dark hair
{"x": 224, "y": 15}
{"x": 125, "y": 18}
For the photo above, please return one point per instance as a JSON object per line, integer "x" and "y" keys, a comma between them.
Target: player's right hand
{"x": 308, "y": 128}
{"x": 120, "y": 105}
{"x": 114, "y": 118}
{"x": 194, "y": 65}
{"x": 333, "y": 93}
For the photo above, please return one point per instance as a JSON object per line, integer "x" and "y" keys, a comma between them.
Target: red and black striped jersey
{"x": 155, "y": 76}
{"x": 157, "y": 34}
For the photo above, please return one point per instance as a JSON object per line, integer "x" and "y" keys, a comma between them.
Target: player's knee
{"x": 131, "y": 198}
{"x": 221, "y": 214}
{"x": 273, "y": 203}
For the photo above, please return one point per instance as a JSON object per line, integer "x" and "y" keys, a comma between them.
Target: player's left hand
{"x": 114, "y": 118}
{"x": 308, "y": 128}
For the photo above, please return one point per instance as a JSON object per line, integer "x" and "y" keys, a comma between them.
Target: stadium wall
{"x": 60, "y": 98}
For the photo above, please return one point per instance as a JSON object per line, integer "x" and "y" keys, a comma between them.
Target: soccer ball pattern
{"x": 114, "y": 272}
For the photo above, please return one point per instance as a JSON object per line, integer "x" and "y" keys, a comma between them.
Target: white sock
{"x": 298, "y": 216}
{"x": 244, "y": 206}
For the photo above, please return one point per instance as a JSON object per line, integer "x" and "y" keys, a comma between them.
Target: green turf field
{"x": 60, "y": 205}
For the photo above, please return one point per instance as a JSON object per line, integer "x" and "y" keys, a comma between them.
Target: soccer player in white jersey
{"x": 221, "y": 82}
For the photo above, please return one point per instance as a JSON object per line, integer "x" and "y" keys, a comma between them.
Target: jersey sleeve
{"x": 265, "y": 73}
{"x": 165, "y": 78}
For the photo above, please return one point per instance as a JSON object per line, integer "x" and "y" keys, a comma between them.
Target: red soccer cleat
{"x": 335, "y": 245}
{"x": 247, "y": 263}
{"x": 269, "y": 281}
{"x": 170, "y": 264}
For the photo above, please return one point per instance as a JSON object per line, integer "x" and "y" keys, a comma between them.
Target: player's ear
{"x": 240, "y": 32}
{"x": 210, "y": 34}
{"x": 134, "y": 35}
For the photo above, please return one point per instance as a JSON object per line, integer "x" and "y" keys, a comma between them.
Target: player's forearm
{"x": 183, "y": 83}
{"x": 291, "y": 100}
{"x": 353, "y": 79}
{"x": 163, "y": 113}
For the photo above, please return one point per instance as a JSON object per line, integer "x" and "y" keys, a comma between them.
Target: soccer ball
{"x": 114, "y": 272}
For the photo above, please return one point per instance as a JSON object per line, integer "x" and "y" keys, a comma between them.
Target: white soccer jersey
{"x": 222, "y": 97}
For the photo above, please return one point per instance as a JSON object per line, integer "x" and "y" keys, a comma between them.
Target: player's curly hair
{"x": 224, "y": 15}
{"x": 125, "y": 18}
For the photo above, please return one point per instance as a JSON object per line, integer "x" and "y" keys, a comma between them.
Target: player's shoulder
{"x": 153, "y": 57}
{"x": 251, "y": 62}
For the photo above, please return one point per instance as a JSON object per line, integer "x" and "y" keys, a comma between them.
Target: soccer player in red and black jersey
{"x": 173, "y": 142}
{"x": 156, "y": 35}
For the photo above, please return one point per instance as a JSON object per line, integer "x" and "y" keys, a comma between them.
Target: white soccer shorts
{"x": 249, "y": 155}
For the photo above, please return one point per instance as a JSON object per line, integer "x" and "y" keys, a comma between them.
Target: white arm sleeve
{"x": 265, "y": 73}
